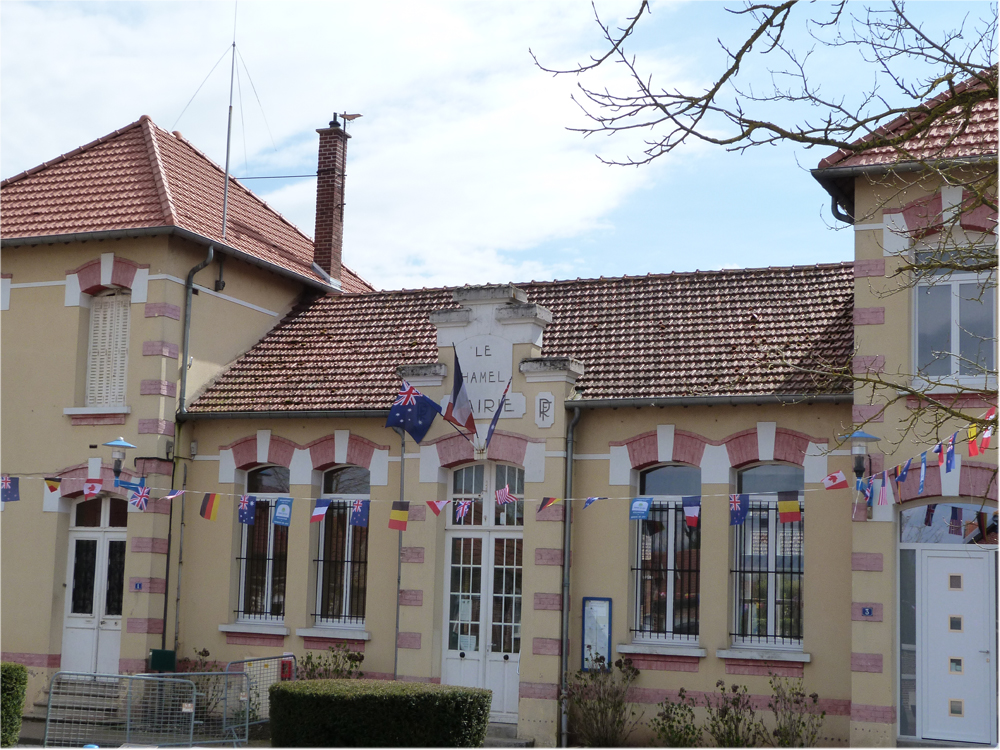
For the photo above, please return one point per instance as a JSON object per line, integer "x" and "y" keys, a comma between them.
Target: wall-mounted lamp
{"x": 859, "y": 449}
{"x": 118, "y": 448}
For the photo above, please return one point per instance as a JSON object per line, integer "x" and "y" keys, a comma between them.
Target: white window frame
{"x": 107, "y": 349}
{"x": 344, "y": 620}
{"x": 487, "y": 496}
{"x": 241, "y": 615}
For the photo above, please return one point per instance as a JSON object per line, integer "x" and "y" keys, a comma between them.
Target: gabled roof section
{"x": 142, "y": 177}
{"x": 719, "y": 333}
{"x": 967, "y": 131}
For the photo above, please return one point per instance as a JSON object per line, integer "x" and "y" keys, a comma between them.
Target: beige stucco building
{"x": 251, "y": 363}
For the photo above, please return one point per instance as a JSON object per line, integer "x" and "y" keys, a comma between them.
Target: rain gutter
{"x": 759, "y": 400}
{"x": 317, "y": 414}
{"x": 567, "y": 521}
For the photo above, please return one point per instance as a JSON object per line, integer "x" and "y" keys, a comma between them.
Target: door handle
{"x": 461, "y": 654}
{"x": 506, "y": 657}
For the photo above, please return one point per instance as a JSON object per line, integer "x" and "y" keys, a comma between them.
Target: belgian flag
{"x": 210, "y": 506}
{"x": 399, "y": 515}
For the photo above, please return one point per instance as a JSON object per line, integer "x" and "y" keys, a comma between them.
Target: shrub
{"x": 375, "y": 713}
{"x": 674, "y": 724}
{"x": 732, "y": 721}
{"x": 340, "y": 664}
{"x": 13, "y": 684}
{"x": 598, "y": 708}
{"x": 795, "y": 725}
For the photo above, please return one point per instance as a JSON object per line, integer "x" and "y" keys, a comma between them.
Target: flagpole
{"x": 399, "y": 552}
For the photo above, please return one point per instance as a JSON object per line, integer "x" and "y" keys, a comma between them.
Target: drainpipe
{"x": 188, "y": 295}
{"x": 568, "y": 494}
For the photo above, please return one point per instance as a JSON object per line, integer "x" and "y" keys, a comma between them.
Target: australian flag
{"x": 412, "y": 411}
{"x": 738, "y": 506}
{"x": 247, "y": 509}
{"x": 359, "y": 513}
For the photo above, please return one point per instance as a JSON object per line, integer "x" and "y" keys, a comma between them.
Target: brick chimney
{"x": 329, "y": 238}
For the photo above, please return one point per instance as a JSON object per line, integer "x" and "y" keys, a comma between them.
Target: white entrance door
{"x": 958, "y": 660}
{"x": 95, "y": 584}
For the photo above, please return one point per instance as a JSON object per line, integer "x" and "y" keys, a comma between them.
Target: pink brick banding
{"x": 507, "y": 447}
{"x": 548, "y": 601}
{"x": 322, "y": 452}
{"x": 790, "y": 447}
{"x": 742, "y": 447}
{"x": 157, "y": 388}
{"x": 144, "y": 625}
{"x": 861, "y": 413}
{"x": 859, "y": 512}
{"x": 412, "y": 554}
{"x": 411, "y": 598}
{"x": 454, "y": 450}
{"x": 160, "y": 349}
{"x": 544, "y": 556}
{"x": 408, "y": 640}
{"x": 162, "y": 310}
{"x": 149, "y": 585}
{"x": 873, "y": 714}
{"x": 546, "y": 691}
{"x": 123, "y": 272}
{"x": 764, "y": 667}
{"x": 280, "y": 451}
{"x": 546, "y": 646}
{"x": 866, "y": 663}
{"x": 688, "y": 448}
{"x": 555, "y": 512}
{"x": 159, "y": 506}
{"x": 148, "y": 466}
{"x": 932, "y": 485}
{"x": 869, "y": 316}
{"x": 89, "y": 276}
{"x": 978, "y": 480}
{"x": 97, "y": 419}
{"x": 45, "y": 661}
{"x": 665, "y": 663}
{"x": 869, "y": 268}
{"x": 155, "y": 427}
{"x": 418, "y": 512}
{"x": 254, "y": 639}
{"x": 149, "y": 544}
{"x": 642, "y": 450}
{"x": 131, "y": 666}
{"x": 322, "y": 644}
{"x": 856, "y": 615}
{"x": 868, "y": 363}
{"x": 870, "y": 561}
{"x": 360, "y": 451}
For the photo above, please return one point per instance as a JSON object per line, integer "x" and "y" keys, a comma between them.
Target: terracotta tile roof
{"x": 141, "y": 177}
{"x": 691, "y": 334}
{"x": 955, "y": 136}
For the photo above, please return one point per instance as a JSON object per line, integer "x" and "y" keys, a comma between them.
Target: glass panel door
{"x": 465, "y": 594}
{"x": 115, "y": 579}
{"x": 506, "y": 615}
{"x": 84, "y": 574}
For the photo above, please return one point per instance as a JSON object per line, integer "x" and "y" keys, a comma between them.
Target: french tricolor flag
{"x": 319, "y": 512}
{"x": 692, "y": 509}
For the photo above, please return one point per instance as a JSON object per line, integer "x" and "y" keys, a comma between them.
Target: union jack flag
{"x": 407, "y": 395}
{"x": 244, "y": 502}
{"x": 139, "y": 498}
{"x": 5, "y": 482}
{"x": 504, "y": 496}
{"x": 734, "y": 502}
{"x": 359, "y": 505}
{"x": 463, "y": 508}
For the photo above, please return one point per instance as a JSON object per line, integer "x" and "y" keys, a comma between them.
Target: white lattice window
{"x": 107, "y": 354}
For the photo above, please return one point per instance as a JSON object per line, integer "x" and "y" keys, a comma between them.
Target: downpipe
{"x": 567, "y": 525}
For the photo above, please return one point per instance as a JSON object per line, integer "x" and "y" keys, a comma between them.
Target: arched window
{"x": 474, "y": 489}
{"x": 666, "y": 572}
{"x": 342, "y": 559}
{"x": 768, "y": 559}
{"x": 264, "y": 553}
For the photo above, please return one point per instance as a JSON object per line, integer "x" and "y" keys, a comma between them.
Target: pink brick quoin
{"x": 322, "y": 644}
{"x": 545, "y": 556}
{"x": 867, "y": 561}
{"x": 866, "y": 663}
{"x": 162, "y": 310}
{"x": 160, "y": 349}
{"x": 149, "y": 544}
{"x": 411, "y": 598}
{"x": 546, "y": 691}
{"x": 869, "y": 316}
{"x": 412, "y": 554}
{"x": 857, "y": 610}
{"x": 408, "y": 640}
{"x": 45, "y": 661}
{"x": 254, "y": 639}
{"x": 764, "y": 668}
{"x": 873, "y": 714}
{"x": 156, "y": 427}
{"x": 546, "y": 646}
{"x": 147, "y": 466}
{"x": 131, "y": 666}
{"x": 548, "y": 601}
{"x": 869, "y": 268}
{"x": 144, "y": 625}
{"x": 862, "y": 413}
{"x": 666, "y": 663}
{"x": 865, "y": 363}
{"x": 157, "y": 388}
{"x": 149, "y": 585}
{"x": 555, "y": 512}
{"x": 418, "y": 512}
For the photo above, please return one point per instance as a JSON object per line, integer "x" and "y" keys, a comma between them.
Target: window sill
{"x": 762, "y": 654}
{"x": 327, "y": 631}
{"x": 77, "y": 411}
{"x": 672, "y": 649}
{"x": 253, "y": 627}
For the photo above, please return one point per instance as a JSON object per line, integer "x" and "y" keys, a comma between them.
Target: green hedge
{"x": 377, "y": 713}
{"x": 13, "y": 684}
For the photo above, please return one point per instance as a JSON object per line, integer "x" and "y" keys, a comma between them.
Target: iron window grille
{"x": 264, "y": 551}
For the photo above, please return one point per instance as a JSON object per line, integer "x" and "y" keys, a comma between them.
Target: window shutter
{"x": 107, "y": 359}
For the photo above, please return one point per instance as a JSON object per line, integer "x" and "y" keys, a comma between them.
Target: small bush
{"x": 599, "y": 711}
{"x": 340, "y": 664}
{"x": 674, "y": 724}
{"x": 795, "y": 725}
{"x": 376, "y": 713}
{"x": 732, "y": 721}
{"x": 13, "y": 684}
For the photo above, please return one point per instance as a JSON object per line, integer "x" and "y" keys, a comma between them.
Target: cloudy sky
{"x": 462, "y": 169}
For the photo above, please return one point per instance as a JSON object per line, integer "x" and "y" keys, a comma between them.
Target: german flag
{"x": 399, "y": 515}
{"x": 210, "y": 506}
{"x": 546, "y": 502}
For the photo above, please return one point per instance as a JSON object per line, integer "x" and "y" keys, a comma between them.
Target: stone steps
{"x": 504, "y": 735}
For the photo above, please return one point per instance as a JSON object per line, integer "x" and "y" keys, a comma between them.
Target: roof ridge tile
{"x": 150, "y": 132}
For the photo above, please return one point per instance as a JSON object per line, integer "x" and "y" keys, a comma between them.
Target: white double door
{"x": 482, "y": 639}
{"x": 95, "y": 585}
{"x": 958, "y": 660}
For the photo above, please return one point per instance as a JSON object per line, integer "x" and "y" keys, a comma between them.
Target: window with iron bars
{"x": 768, "y": 563}
{"x": 667, "y": 571}
{"x": 342, "y": 559}
{"x": 264, "y": 550}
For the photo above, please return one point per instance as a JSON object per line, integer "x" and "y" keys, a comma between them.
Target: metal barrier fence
{"x": 221, "y": 714}
{"x": 113, "y": 710}
{"x": 262, "y": 673}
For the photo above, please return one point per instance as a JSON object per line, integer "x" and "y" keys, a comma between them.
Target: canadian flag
{"x": 92, "y": 488}
{"x": 836, "y": 481}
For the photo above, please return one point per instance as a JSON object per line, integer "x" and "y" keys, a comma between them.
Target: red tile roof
{"x": 690, "y": 334}
{"x": 956, "y": 135}
{"x": 142, "y": 177}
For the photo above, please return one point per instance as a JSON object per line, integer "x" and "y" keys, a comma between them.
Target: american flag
{"x": 140, "y": 497}
{"x": 5, "y": 482}
{"x": 407, "y": 395}
{"x": 504, "y": 496}
{"x": 244, "y": 502}
{"x": 462, "y": 509}
{"x": 359, "y": 504}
